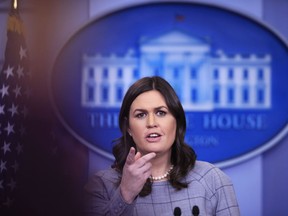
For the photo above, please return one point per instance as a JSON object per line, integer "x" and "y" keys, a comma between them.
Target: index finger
{"x": 130, "y": 157}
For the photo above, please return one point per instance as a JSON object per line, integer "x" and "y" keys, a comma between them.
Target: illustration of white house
{"x": 203, "y": 79}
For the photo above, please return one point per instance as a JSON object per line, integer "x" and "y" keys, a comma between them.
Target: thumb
{"x": 130, "y": 157}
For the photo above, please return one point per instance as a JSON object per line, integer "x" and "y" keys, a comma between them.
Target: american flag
{"x": 14, "y": 95}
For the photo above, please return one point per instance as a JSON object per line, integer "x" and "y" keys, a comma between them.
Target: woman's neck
{"x": 161, "y": 164}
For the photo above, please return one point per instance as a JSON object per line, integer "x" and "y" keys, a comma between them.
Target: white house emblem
{"x": 232, "y": 87}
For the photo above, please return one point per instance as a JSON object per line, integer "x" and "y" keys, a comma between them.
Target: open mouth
{"x": 153, "y": 135}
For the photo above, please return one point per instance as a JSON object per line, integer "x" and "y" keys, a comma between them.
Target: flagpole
{"x": 15, "y": 4}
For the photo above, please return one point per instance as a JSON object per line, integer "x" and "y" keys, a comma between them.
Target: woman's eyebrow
{"x": 160, "y": 107}
{"x": 139, "y": 110}
{"x": 145, "y": 110}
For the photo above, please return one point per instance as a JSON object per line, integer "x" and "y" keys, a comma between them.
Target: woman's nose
{"x": 151, "y": 121}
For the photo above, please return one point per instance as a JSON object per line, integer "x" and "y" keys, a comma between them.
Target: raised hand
{"x": 135, "y": 173}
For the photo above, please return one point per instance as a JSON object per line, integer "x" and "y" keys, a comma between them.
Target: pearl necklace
{"x": 158, "y": 178}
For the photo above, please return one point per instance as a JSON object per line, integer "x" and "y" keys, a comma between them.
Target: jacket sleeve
{"x": 103, "y": 197}
{"x": 224, "y": 195}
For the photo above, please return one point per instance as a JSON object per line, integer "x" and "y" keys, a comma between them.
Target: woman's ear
{"x": 129, "y": 132}
{"x": 127, "y": 125}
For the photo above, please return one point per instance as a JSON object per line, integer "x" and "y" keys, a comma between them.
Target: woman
{"x": 155, "y": 172}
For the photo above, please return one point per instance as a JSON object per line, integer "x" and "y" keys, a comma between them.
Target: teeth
{"x": 153, "y": 135}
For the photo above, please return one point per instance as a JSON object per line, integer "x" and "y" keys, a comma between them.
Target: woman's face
{"x": 151, "y": 124}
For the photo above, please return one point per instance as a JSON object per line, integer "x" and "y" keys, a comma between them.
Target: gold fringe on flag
{"x": 15, "y": 24}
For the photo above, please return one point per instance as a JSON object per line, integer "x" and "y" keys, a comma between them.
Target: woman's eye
{"x": 140, "y": 115}
{"x": 161, "y": 113}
